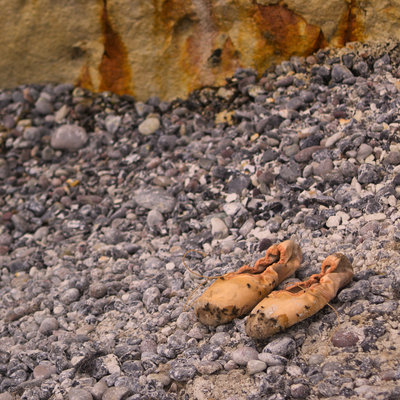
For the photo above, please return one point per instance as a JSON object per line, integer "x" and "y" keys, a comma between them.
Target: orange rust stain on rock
{"x": 350, "y": 28}
{"x": 287, "y": 32}
{"x": 115, "y": 71}
{"x": 85, "y": 80}
{"x": 190, "y": 59}
{"x": 229, "y": 56}
{"x": 169, "y": 13}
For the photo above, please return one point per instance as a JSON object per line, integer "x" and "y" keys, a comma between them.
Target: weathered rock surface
{"x": 136, "y": 47}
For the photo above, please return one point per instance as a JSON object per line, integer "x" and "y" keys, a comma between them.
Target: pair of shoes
{"x": 237, "y": 293}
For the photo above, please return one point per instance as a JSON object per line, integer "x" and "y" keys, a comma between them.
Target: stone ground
{"x": 101, "y": 196}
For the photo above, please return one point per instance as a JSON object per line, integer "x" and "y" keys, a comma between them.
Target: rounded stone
{"x": 68, "y": 137}
{"x": 282, "y": 346}
{"x": 299, "y": 391}
{"x": 316, "y": 359}
{"x": 97, "y": 290}
{"x": 220, "y": 338}
{"x": 218, "y": 228}
{"x": 44, "y": 371}
{"x": 255, "y": 366}
{"x": 112, "y": 123}
{"x": 98, "y": 389}
{"x": 43, "y": 106}
{"x": 116, "y": 393}
{"x": 149, "y": 126}
{"x": 182, "y": 370}
{"x": 243, "y": 355}
{"x": 48, "y": 325}
{"x": 79, "y": 394}
{"x": 393, "y": 158}
{"x": 154, "y": 218}
{"x": 344, "y": 339}
{"x": 32, "y": 133}
{"x": 69, "y": 296}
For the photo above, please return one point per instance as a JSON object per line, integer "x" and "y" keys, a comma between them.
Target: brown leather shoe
{"x": 284, "y": 308}
{"x": 237, "y": 293}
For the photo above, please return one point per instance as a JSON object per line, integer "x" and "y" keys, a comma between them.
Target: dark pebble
{"x": 314, "y": 222}
{"x": 344, "y": 339}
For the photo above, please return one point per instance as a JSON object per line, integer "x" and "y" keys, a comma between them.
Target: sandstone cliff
{"x": 170, "y": 47}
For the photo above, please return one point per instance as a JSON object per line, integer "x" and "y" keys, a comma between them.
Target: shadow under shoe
{"x": 237, "y": 293}
{"x": 284, "y": 308}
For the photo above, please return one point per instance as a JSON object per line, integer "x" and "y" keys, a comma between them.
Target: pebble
{"x": 243, "y": 355}
{"x": 79, "y": 394}
{"x": 218, "y": 228}
{"x": 282, "y": 346}
{"x": 247, "y": 227}
{"x": 112, "y": 123}
{"x": 98, "y": 390}
{"x": 156, "y": 199}
{"x": 154, "y": 218}
{"x": 97, "y": 290}
{"x": 149, "y": 126}
{"x": 208, "y": 367}
{"x": 48, "y": 325}
{"x": 344, "y": 339}
{"x": 182, "y": 370}
{"x": 116, "y": 393}
{"x": 68, "y": 137}
{"x": 69, "y": 296}
{"x": 255, "y": 366}
{"x": 44, "y": 371}
{"x": 306, "y": 154}
{"x": 44, "y": 106}
{"x": 299, "y": 391}
{"x": 237, "y": 185}
{"x": 290, "y": 172}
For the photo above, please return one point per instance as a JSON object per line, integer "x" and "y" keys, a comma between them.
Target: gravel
{"x": 102, "y": 195}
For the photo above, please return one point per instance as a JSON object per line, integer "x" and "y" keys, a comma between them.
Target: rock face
{"x": 169, "y": 47}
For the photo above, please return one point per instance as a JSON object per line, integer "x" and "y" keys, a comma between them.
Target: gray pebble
{"x": 156, "y": 199}
{"x": 182, "y": 370}
{"x": 255, "y": 366}
{"x": 68, "y": 137}
{"x": 79, "y": 394}
{"x": 272, "y": 359}
{"x": 116, "y": 393}
{"x": 43, "y": 106}
{"x": 247, "y": 227}
{"x": 98, "y": 390}
{"x": 220, "y": 338}
{"x": 367, "y": 174}
{"x": 112, "y": 123}
{"x": 236, "y": 185}
{"x": 385, "y": 308}
{"x": 358, "y": 291}
{"x": 340, "y": 72}
{"x": 48, "y": 325}
{"x": 151, "y": 298}
{"x": 44, "y": 371}
{"x": 97, "y": 290}
{"x": 69, "y": 296}
{"x": 290, "y": 172}
{"x": 243, "y": 355}
{"x": 299, "y": 391}
{"x": 282, "y": 346}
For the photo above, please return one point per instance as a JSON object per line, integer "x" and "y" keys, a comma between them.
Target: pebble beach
{"x": 102, "y": 195}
